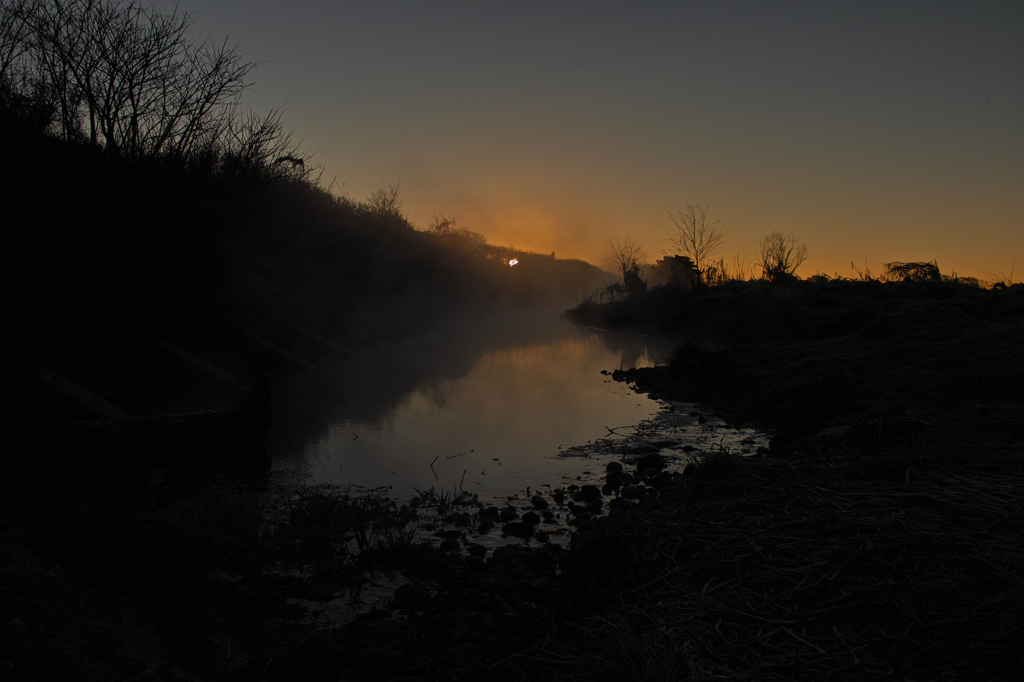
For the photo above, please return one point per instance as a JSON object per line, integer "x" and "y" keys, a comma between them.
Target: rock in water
{"x": 517, "y": 529}
{"x": 503, "y": 556}
{"x": 539, "y": 502}
{"x": 410, "y": 594}
{"x": 652, "y": 462}
{"x": 633, "y": 492}
{"x": 620, "y": 503}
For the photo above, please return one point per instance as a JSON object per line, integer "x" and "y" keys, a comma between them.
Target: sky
{"x": 874, "y": 131}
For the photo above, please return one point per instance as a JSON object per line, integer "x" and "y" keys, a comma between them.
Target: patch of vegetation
{"x": 338, "y": 534}
{"x": 848, "y": 562}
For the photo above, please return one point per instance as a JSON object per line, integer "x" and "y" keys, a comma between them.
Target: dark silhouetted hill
{"x": 134, "y": 277}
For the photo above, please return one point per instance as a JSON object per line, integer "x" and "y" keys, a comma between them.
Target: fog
{"x": 495, "y": 396}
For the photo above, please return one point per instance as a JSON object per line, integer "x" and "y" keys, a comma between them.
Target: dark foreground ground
{"x": 878, "y": 536}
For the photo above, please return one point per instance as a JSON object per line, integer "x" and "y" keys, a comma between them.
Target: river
{"x": 484, "y": 405}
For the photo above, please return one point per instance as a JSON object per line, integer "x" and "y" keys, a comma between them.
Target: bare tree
{"x": 15, "y": 33}
{"x": 467, "y": 239}
{"x": 441, "y": 224}
{"x": 628, "y": 255}
{"x": 385, "y": 200}
{"x": 781, "y": 254}
{"x": 122, "y": 75}
{"x": 696, "y": 238}
{"x": 445, "y": 228}
{"x": 22, "y": 94}
{"x": 630, "y": 260}
{"x": 248, "y": 141}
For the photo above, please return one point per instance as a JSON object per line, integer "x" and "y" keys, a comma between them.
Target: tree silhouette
{"x": 441, "y": 224}
{"x": 629, "y": 258}
{"x": 696, "y": 238}
{"x": 126, "y": 77}
{"x": 781, "y": 255}
{"x": 386, "y": 201}
{"x": 627, "y": 255}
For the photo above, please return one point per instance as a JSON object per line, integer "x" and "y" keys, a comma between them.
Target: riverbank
{"x": 164, "y": 576}
{"x": 879, "y": 533}
{"x": 817, "y": 353}
{"x": 851, "y": 562}
{"x": 874, "y": 536}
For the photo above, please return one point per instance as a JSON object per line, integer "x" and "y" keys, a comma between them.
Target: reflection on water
{"x": 485, "y": 406}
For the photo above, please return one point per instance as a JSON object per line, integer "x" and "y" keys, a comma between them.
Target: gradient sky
{"x": 875, "y": 131}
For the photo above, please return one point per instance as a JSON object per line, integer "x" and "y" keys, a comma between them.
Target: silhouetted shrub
{"x": 897, "y": 271}
{"x": 127, "y": 77}
{"x": 781, "y": 255}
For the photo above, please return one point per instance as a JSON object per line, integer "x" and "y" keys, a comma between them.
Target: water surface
{"x": 484, "y": 406}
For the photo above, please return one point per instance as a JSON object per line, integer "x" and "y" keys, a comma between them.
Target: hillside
{"x": 119, "y": 274}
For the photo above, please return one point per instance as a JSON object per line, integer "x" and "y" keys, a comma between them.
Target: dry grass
{"x": 890, "y": 548}
{"x": 339, "y": 534}
{"x": 56, "y": 627}
{"x": 837, "y": 564}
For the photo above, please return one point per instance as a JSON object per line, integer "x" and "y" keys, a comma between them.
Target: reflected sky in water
{"x": 488, "y": 403}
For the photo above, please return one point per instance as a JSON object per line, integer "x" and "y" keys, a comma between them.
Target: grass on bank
{"x": 849, "y": 562}
{"x": 194, "y": 578}
{"x": 814, "y": 352}
{"x": 879, "y": 535}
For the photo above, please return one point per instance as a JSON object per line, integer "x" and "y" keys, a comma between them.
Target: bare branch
{"x": 696, "y": 238}
{"x": 441, "y": 224}
{"x": 627, "y": 255}
{"x": 385, "y": 200}
{"x": 781, "y": 255}
{"x": 124, "y": 76}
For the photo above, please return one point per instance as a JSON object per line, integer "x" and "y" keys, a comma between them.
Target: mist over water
{"x": 488, "y": 402}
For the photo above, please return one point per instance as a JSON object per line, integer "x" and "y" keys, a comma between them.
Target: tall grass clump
{"x": 334, "y": 532}
{"x": 446, "y": 506}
